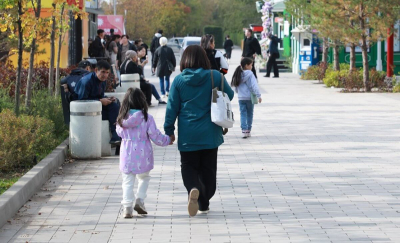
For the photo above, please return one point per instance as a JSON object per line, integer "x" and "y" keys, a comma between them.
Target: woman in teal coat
{"x": 198, "y": 138}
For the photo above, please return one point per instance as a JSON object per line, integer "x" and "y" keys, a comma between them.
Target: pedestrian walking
{"x": 245, "y": 84}
{"x": 216, "y": 58}
{"x": 136, "y": 128}
{"x": 164, "y": 62}
{"x": 97, "y": 45}
{"x": 198, "y": 137}
{"x": 273, "y": 54}
{"x": 228, "y": 46}
{"x": 155, "y": 43}
{"x": 112, "y": 49}
{"x": 251, "y": 48}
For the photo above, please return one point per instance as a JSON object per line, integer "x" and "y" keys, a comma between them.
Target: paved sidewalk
{"x": 321, "y": 166}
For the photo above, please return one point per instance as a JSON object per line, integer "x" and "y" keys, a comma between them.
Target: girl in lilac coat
{"x": 136, "y": 128}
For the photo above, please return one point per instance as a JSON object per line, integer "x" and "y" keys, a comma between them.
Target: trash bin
{"x": 85, "y": 129}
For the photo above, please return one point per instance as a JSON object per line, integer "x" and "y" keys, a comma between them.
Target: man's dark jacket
{"x": 273, "y": 45}
{"x": 155, "y": 43}
{"x": 90, "y": 87}
{"x": 251, "y": 47}
{"x": 98, "y": 49}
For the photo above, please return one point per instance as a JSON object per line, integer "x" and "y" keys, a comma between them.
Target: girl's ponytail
{"x": 237, "y": 75}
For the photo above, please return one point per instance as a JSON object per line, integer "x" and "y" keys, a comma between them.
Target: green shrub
{"x": 332, "y": 78}
{"x": 377, "y": 79}
{"x": 24, "y": 140}
{"x": 49, "y": 107}
{"x": 353, "y": 81}
{"x": 311, "y": 73}
{"x": 6, "y": 102}
{"x": 217, "y": 33}
{"x": 396, "y": 85}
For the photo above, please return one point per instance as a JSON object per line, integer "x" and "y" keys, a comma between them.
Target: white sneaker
{"x": 163, "y": 96}
{"x": 128, "y": 212}
{"x": 248, "y": 134}
{"x": 244, "y": 134}
{"x": 139, "y": 206}
{"x": 205, "y": 211}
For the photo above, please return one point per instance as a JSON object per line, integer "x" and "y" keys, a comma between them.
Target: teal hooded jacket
{"x": 190, "y": 101}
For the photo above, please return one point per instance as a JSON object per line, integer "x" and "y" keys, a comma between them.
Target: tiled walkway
{"x": 322, "y": 166}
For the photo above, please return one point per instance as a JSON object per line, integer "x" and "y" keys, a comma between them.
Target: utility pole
{"x": 115, "y": 7}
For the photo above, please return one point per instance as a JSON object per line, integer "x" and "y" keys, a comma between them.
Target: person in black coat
{"x": 98, "y": 47}
{"x": 164, "y": 61}
{"x": 129, "y": 66}
{"x": 251, "y": 47}
{"x": 155, "y": 43}
{"x": 228, "y": 45}
{"x": 273, "y": 53}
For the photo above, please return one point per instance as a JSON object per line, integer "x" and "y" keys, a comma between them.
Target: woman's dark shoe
{"x": 224, "y": 131}
{"x": 162, "y": 102}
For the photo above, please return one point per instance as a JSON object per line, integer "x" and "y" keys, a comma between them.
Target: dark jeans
{"x": 228, "y": 53}
{"x": 253, "y": 69}
{"x": 110, "y": 113}
{"x": 272, "y": 63}
{"x": 146, "y": 88}
{"x": 199, "y": 169}
{"x": 154, "y": 92}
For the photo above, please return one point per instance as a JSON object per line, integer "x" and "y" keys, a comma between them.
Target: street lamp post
{"x": 115, "y": 7}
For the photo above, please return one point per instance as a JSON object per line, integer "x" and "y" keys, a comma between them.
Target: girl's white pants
{"x": 128, "y": 182}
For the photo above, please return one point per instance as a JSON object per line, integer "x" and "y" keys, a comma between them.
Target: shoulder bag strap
{"x": 212, "y": 79}
{"x": 222, "y": 84}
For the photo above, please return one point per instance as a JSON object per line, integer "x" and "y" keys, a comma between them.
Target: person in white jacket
{"x": 245, "y": 84}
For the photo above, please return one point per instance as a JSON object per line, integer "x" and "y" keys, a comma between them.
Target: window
{"x": 306, "y": 42}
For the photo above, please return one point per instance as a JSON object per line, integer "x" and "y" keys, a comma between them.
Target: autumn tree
{"x": 13, "y": 20}
{"x": 36, "y": 6}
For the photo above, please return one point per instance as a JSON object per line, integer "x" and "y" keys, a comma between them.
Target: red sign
{"x": 278, "y": 19}
{"x": 107, "y": 22}
{"x": 79, "y": 3}
{"x": 257, "y": 28}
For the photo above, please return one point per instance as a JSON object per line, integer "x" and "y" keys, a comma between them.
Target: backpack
{"x": 91, "y": 51}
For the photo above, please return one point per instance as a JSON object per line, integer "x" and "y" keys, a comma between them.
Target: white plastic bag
{"x": 221, "y": 109}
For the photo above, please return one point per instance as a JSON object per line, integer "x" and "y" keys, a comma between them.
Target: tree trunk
{"x": 60, "y": 38}
{"x": 32, "y": 59}
{"x": 364, "y": 49}
{"x": 352, "y": 56}
{"x": 52, "y": 51}
{"x": 336, "y": 65}
{"x": 20, "y": 53}
{"x": 325, "y": 50}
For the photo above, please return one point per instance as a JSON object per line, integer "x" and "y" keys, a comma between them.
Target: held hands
{"x": 259, "y": 100}
{"x": 172, "y": 138}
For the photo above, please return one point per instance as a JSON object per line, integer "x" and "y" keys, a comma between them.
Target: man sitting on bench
{"x": 92, "y": 87}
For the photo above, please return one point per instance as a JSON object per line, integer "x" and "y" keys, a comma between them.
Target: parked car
{"x": 175, "y": 44}
{"x": 190, "y": 40}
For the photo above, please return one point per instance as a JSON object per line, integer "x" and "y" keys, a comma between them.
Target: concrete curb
{"x": 19, "y": 193}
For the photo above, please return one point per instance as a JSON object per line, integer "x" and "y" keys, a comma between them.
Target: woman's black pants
{"x": 199, "y": 169}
